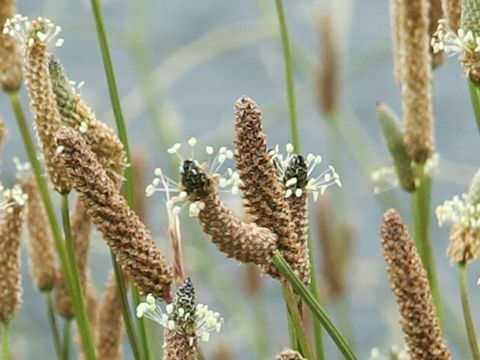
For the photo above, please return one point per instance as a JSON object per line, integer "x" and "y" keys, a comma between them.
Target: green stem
{"x": 472, "y": 336}
{"x": 6, "y": 341}
{"x": 292, "y": 105}
{"x": 421, "y": 215}
{"x": 73, "y": 282}
{"x": 475, "y": 98}
{"x": 127, "y": 318}
{"x": 76, "y": 292}
{"x": 292, "y": 100}
{"x": 147, "y": 349}
{"x": 122, "y": 134}
{"x": 52, "y": 320}
{"x": 314, "y": 306}
{"x": 67, "y": 338}
{"x": 296, "y": 320}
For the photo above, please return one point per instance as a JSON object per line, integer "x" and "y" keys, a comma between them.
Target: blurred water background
{"x": 180, "y": 66}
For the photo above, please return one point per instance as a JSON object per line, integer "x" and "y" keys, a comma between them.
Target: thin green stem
{"x": 296, "y": 320}
{"x": 114, "y": 97}
{"x": 52, "y": 320}
{"x": 421, "y": 215}
{"x": 6, "y": 341}
{"x": 127, "y": 318}
{"x": 67, "y": 339}
{"x": 287, "y": 55}
{"x": 467, "y": 314}
{"x": 72, "y": 281}
{"x": 122, "y": 134}
{"x": 317, "y": 311}
{"x": 147, "y": 348}
{"x": 76, "y": 292}
{"x": 292, "y": 105}
{"x": 475, "y": 98}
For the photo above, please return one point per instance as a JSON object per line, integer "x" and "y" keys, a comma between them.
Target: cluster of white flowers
{"x": 314, "y": 185}
{"x": 13, "y": 196}
{"x": 448, "y": 41}
{"x": 459, "y": 210}
{"x": 205, "y": 320}
{"x": 228, "y": 180}
{"x": 22, "y": 28}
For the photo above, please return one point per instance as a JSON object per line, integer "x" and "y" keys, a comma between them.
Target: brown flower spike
{"x": 246, "y": 242}
{"x": 11, "y": 66}
{"x": 412, "y": 291}
{"x": 125, "y": 234}
{"x": 110, "y": 323}
{"x": 11, "y": 227}
{"x": 417, "y": 80}
{"x": 263, "y": 191}
{"x": 42, "y": 252}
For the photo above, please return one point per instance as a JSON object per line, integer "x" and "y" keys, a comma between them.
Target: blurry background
{"x": 180, "y": 66}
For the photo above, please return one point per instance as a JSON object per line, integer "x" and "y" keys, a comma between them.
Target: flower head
{"x": 184, "y": 313}
{"x": 30, "y": 32}
{"x": 296, "y": 173}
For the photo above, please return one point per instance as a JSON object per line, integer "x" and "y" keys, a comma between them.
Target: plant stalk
{"x": 52, "y": 320}
{"x": 287, "y": 55}
{"x": 467, "y": 314}
{"x": 475, "y": 98}
{"x": 314, "y": 306}
{"x": 6, "y": 355}
{"x": 67, "y": 339}
{"x": 73, "y": 283}
{"x": 122, "y": 134}
{"x": 76, "y": 292}
{"x": 421, "y": 215}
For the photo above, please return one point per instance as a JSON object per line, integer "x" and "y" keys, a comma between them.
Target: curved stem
{"x": 76, "y": 292}
{"x": 292, "y": 100}
{"x": 6, "y": 341}
{"x": 467, "y": 314}
{"x": 52, "y": 320}
{"x": 314, "y": 306}
{"x": 67, "y": 338}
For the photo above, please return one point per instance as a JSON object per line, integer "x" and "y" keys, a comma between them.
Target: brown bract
{"x": 123, "y": 231}
{"x": 179, "y": 345}
{"x": 11, "y": 65}
{"x": 411, "y": 288}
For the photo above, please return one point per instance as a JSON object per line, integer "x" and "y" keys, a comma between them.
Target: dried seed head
{"x": 76, "y": 114}
{"x": 289, "y": 354}
{"x": 11, "y": 66}
{"x": 263, "y": 191}
{"x": 453, "y": 10}
{"x": 329, "y": 72}
{"x": 11, "y": 227}
{"x": 410, "y": 285}
{"x": 125, "y": 234}
{"x": 416, "y": 86}
{"x": 35, "y": 36}
{"x": 110, "y": 324}
{"x": 246, "y": 242}
{"x": 42, "y": 252}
